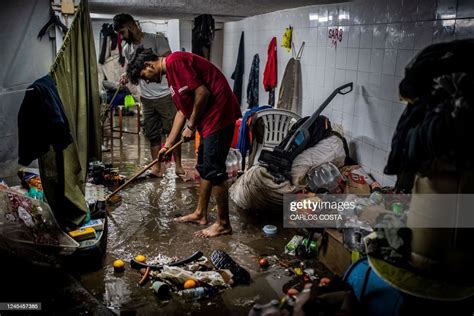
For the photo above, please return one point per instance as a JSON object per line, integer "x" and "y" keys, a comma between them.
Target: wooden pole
{"x": 143, "y": 170}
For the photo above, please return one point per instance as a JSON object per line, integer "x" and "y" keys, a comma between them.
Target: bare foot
{"x": 156, "y": 172}
{"x": 180, "y": 171}
{"x": 214, "y": 230}
{"x": 192, "y": 218}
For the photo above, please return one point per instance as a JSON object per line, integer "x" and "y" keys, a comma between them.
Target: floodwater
{"x": 143, "y": 224}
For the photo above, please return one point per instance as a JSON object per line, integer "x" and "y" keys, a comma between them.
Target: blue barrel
{"x": 379, "y": 297}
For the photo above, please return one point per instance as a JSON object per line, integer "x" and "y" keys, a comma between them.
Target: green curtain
{"x": 75, "y": 72}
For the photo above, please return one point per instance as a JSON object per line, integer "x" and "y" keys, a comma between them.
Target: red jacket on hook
{"x": 270, "y": 75}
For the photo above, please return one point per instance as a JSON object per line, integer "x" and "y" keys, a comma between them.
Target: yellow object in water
{"x": 140, "y": 258}
{"x": 119, "y": 265}
{"x": 298, "y": 271}
{"x": 287, "y": 38}
{"x": 82, "y": 233}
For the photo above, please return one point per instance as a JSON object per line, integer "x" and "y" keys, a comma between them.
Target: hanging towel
{"x": 270, "y": 75}
{"x": 238, "y": 73}
{"x": 41, "y": 122}
{"x": 252, "y": 87}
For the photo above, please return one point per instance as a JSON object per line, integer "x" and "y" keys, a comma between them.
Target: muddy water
{"x": 142, "y": 224}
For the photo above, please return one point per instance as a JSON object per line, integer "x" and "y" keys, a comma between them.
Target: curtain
{"x": 75, "y": 72}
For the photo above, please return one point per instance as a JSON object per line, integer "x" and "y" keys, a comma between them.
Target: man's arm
{"x": 201, "y": 96}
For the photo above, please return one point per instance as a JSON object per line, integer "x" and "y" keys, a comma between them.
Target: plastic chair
{"x": 276, "y": 124}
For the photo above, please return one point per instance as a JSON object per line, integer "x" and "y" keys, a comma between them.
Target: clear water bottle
{"x": 235, "y": 163}
{"x": 325, "y": 176}
{"x": 196, "y": 293}
{"x": 228, "y": 165}
{"x": 239, "y": 160}
{"x": 376, "y": 198}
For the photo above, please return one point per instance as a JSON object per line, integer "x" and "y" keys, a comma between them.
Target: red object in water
{"x": 292, "y": 292}
{"x": 236, "y": 133}
{"x": 324, "y": 281}
{"x": 263, "y": 262}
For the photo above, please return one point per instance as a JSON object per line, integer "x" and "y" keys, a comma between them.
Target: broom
{"x": 143, "y": 170}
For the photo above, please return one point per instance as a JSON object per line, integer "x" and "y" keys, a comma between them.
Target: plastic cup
{"x": 160, "y": 289}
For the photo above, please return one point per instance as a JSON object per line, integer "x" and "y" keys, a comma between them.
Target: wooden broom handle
{"x": 120, "y": 188}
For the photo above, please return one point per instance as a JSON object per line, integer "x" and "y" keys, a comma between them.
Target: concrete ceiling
{"x": 222, "y": 10}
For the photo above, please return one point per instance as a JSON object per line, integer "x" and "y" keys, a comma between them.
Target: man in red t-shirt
{"x": 203, "y": 98}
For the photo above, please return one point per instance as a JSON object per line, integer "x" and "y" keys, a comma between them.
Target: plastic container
{"x": 270, "y": 230}
{"x": 381, "y": 298}
{"x": 161, "y": 289}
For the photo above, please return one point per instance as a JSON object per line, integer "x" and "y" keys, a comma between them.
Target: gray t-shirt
{"x": 160, "y": 46}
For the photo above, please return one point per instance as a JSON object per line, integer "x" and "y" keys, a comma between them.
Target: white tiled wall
{"x": 173, "y": 34}
{"x": 379, "y": 38}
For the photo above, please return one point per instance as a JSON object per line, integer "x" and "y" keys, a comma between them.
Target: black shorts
{"x": 212, "y": 155}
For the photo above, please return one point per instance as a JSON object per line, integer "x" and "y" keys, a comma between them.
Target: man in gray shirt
{"x": 158, "y": 107}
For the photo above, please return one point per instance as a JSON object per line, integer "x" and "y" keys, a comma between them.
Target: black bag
{"x": 306, "y": 133}
{"x": 436, "y": 125}
{"x": 432, "y": 62}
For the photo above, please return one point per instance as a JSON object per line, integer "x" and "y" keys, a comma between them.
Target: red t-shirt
{"x": 186, "y": 72}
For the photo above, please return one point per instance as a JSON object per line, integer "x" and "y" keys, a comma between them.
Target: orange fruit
{"x": 189, "y": 284}
{"x": 119, "y": 265}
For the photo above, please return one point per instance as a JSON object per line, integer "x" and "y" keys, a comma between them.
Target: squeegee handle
{"x": 337, "y": 91}
{"x": 304, "y": 127}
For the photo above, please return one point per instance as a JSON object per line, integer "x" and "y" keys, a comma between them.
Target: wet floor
{"x": 143, "y": 224}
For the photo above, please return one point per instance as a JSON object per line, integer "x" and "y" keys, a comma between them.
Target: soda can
{"x": 397, "y": 208}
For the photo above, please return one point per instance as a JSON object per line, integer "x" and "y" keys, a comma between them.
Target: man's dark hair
{"x": 137, "y": 63}
{"x": 121, "y": 19}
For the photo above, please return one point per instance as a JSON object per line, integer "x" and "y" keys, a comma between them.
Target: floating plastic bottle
{"x": 196, "y": 293}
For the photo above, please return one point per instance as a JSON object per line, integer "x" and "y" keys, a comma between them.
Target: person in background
{"x": 158, "y": 108}
{"x": 203, "y": 98}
